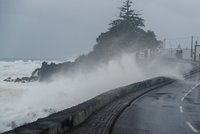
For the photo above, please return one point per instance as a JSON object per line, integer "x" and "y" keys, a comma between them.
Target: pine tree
{"x": 128, "y": 18}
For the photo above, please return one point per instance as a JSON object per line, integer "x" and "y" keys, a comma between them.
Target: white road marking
{"x": 189, "y": 91}
{"x": 185, "y": 95}
{"x": 181, "y": 109}
{"x": 198, "y": 84}
{"x": 191, "y": 127}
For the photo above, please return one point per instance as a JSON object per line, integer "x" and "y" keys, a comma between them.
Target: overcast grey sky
{"x": 64, "y": 29}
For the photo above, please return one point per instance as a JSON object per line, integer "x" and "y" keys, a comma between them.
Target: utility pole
{"x": 192, "y": 40}
{"x": 195, "y": 50}
{"x": 164, "y": 41}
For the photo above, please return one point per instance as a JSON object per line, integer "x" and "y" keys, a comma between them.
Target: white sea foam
{"x": 22, "y": 103}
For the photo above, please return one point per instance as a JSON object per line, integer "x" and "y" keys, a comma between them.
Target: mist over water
{"x": 22, "y": 103}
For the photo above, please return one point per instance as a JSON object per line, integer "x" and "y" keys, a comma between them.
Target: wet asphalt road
{"x": 172, "y": 109}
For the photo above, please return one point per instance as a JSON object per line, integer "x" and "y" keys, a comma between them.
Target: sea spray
{"x": 36, "y": 100}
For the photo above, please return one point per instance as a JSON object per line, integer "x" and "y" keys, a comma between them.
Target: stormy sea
{"x": 11, "y": 93}
{"x": 22, "y": 103}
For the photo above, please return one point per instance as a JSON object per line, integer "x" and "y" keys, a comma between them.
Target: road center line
{"x": 191, "y": 127}
{"x": 185, "y": 95}
{"x": 198, "y": 84}
{"x": 189, "y": 91}
{"x": 181, "y": 109}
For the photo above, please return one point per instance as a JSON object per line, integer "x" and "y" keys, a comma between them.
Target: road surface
{"x": 172, "y": 109}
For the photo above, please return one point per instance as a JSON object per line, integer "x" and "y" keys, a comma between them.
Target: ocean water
{"x": 21, "y": 103}
{"x": 10, "y": 92}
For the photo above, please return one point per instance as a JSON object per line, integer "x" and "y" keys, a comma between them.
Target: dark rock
{"x": 18, "y": 80}
{"x": 9, "y": 79}
{"x": 48, "y": 70}
{"x": 25, "y": 79}
{"x": 35, "y": 73}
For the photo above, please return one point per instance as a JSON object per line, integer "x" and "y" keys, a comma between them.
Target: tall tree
{"x": 128, "y": 18}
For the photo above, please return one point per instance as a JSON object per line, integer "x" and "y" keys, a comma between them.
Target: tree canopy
{"x": 128, "y": 18}
{"x": 125, "y": 33}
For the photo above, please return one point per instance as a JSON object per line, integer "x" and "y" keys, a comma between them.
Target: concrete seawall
{"x": 65, "y": 120}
